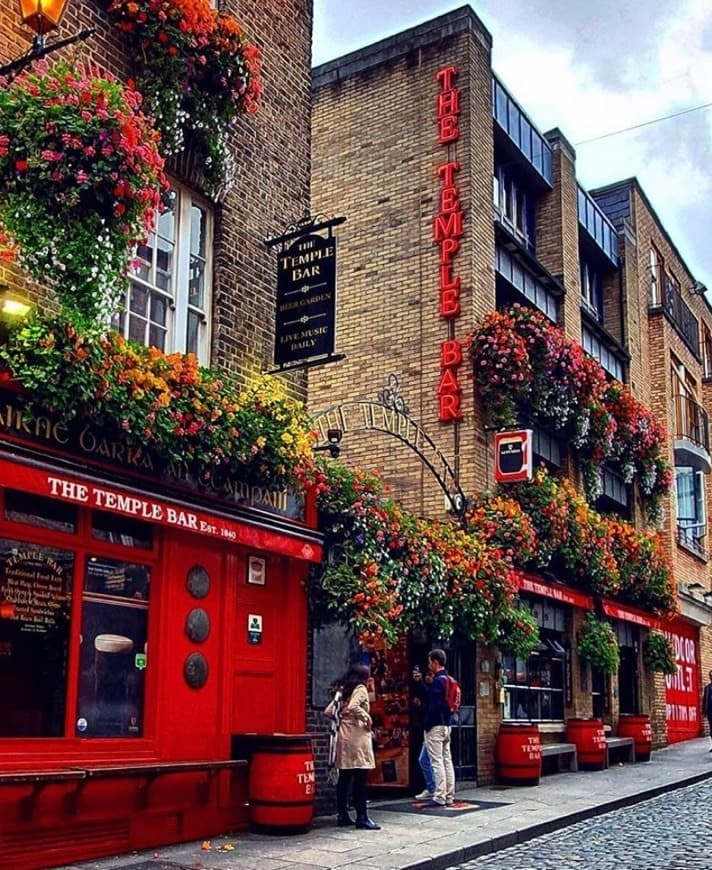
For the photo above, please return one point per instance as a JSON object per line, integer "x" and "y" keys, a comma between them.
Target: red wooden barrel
{"x": 518, "y": 754}
{"x": 281, "y": 784}
{"x": 590, "y": 739}
{"x": 637, "y": 727}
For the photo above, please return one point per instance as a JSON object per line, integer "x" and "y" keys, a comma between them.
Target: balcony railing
{"x": 680, "y": 316}
{"x": 521, "y": 279}
{"x": 691, "y": 537}
{"x": 691, "y": 421}
{"x": 597, "y": 225}
{"x": 598, "y": 350}
{"x": 522, "y": 132}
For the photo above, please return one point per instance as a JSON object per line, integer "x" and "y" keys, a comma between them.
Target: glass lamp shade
{"x": 42, "y": 15}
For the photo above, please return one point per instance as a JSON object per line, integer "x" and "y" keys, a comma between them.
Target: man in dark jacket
{"x": 437, "y": 722}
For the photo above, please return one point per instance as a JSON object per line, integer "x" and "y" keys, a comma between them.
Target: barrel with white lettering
{"x": 518, "y": 754}
{"x": 281, "y": 784}
{"x": 639, "y": 728}
{"x": 589, "y": 736}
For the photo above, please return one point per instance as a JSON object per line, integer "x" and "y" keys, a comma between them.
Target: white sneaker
{"x": 424, "y": 795}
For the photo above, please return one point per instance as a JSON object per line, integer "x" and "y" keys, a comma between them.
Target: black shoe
{"x": 367, "y": 825}
{"x": 344, "y": 821}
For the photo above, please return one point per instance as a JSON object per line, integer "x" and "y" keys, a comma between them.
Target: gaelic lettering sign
{"x": 306, "y": 300}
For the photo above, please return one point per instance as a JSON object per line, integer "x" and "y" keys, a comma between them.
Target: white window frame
{"x": 692, "y": 528}
{"x": 176, "y": 338}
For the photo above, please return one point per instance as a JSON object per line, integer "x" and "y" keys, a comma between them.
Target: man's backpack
{"x": 453, "y": 695}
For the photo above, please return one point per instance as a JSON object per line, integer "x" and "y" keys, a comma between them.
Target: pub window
{"x": 35, "y": 510}
{"x": 168, "y": 302}
{"x": 117, "y": 529}
{"x": 534, "y": 688}
{"x": 56, "y": 608}
{"x": 112, "y": 656}
{"x": 35, "y": 601}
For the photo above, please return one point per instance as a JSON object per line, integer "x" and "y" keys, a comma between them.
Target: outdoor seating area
{"x": 523, "y": 756}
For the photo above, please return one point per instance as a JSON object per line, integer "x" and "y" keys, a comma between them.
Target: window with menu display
{"x": 72, "y": 596}
{"x": 534, "y": 687}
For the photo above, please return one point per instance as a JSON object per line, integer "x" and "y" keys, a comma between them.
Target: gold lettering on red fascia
{"x": 447, "y": 232}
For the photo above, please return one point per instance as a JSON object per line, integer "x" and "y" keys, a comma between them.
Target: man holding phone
{"x": 437, "y": 726}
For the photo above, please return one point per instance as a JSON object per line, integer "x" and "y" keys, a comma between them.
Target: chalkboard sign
{"x": 35, "y": 593}
{"x": 334, "y": 649}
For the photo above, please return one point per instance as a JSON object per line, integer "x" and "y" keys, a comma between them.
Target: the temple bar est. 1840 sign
{"x": 306, "y": 300}
{"x": 513, "y": 456}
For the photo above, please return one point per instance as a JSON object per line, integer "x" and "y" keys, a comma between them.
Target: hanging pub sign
{"x": 513, "y": 456}
{"x": 305, "y": 317}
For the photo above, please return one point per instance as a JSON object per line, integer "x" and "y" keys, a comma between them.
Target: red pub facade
{"x": 148, "y": 624}
{"x": 138, "y": 625}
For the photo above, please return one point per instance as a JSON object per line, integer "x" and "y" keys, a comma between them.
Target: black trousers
{"x": 346, "y": 777}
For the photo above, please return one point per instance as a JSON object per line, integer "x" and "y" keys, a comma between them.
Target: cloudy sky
{"x": 590, "y": 67}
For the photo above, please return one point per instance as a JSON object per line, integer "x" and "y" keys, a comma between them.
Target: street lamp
{"x": 42, "y": 16}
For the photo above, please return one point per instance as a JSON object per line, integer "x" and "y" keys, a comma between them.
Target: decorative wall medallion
{"x": 197, "y": 625}
{"x": 198, "y": 581}
{"x": 195, "y": 670}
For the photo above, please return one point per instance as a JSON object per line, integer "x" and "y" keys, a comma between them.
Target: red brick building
{"x": 458, "y": 205}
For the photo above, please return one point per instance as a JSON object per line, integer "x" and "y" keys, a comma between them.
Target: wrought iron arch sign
{"x": 390, "y": 415}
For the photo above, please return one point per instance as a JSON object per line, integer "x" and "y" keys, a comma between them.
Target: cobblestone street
{"x": 665, "y": 833}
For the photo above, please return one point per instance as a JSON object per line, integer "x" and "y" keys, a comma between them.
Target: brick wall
{"x": 557, "y": 232}
{"x": 380, "y": 122}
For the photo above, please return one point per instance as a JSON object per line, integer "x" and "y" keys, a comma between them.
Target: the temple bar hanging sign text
{"x": 306, "y": 300}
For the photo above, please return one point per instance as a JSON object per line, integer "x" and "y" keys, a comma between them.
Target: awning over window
{"x": 93, "y": 493}
{"x": 630, "y": 614}
{"x": 535, "y": 585}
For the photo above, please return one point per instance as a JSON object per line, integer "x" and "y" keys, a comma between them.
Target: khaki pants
{"x": 437, "y": 741}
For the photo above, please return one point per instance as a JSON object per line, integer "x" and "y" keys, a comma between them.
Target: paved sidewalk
{"x": 430, "y": 842}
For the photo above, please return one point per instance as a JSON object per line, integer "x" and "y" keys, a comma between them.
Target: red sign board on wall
{"x": 682, "y": 690}
{"x": 513, "y": 456}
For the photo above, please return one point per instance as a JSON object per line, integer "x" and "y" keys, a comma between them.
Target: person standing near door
{"x": 707, "y": 705}
{"x": 437, "y": 724}
{"x": 354, "y": 747}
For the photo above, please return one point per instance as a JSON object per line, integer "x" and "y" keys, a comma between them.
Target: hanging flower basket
{"x": 197, "y": 72}
{"x": 80, "y": 182}
{"x": 524, "y": 365}
{"x": 658, "y": 654}
{"x": 190, "y": 417}
{"x": 597, "y": 644}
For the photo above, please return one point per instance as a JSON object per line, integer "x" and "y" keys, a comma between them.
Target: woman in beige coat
{"x": 354, "y": 746}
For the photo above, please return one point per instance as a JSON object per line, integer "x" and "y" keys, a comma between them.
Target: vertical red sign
{"x": 447, "y": 232}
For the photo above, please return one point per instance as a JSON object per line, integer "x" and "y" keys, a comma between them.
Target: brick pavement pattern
{"x": 665, "y": 833}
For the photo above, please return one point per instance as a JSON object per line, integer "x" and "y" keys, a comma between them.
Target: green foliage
{"x": 519, "y": 633}
{"x": 597, "y": 644}
{"x": 658, "y": 653}
{"x": 166, "y": 404}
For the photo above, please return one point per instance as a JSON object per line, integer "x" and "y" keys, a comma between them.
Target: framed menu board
{"x": 35, "y": 597}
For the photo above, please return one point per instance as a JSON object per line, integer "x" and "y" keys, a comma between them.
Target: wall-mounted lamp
{"x": 698, "y": 288}
{"x": 42, "y": 16}
{"x": 11, "y": 305}
{"x": 333, "y": 439}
